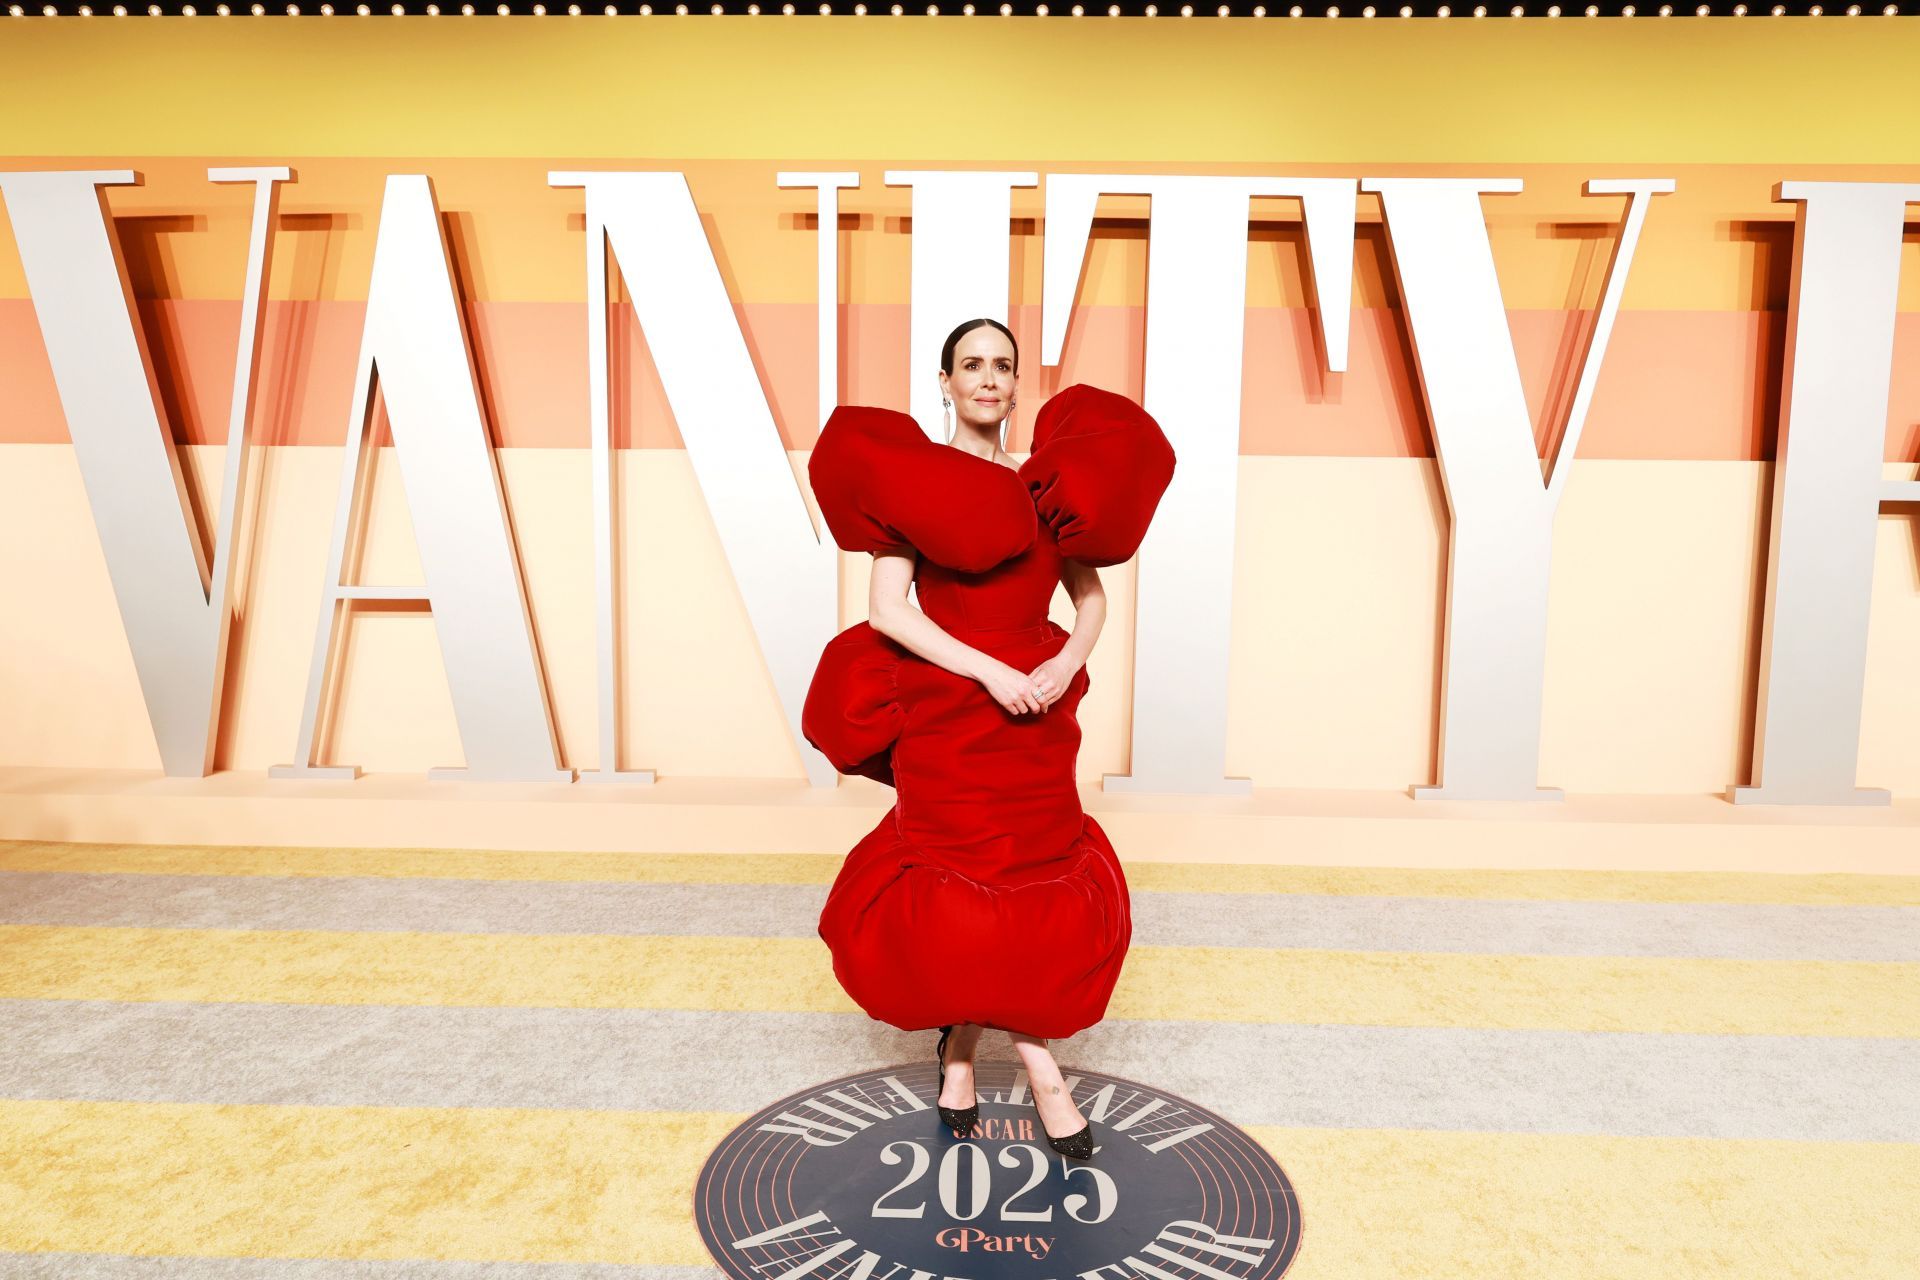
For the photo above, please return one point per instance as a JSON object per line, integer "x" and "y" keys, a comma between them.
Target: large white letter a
{"x": 415, "y": 341}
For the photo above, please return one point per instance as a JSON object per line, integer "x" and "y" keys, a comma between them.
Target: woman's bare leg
{"x": 1058, "y": 1114}
{"x": 958, "y": 1092}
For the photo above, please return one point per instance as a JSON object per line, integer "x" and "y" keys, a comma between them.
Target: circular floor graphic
{"x": 857, "y": 1179}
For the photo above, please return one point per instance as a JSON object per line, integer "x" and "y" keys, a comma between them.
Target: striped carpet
{"x": 317, "y": 1064}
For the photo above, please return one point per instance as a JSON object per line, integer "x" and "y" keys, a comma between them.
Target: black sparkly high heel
{"x": 959, "y": 1119}
{"x": 1078, "y": 1144}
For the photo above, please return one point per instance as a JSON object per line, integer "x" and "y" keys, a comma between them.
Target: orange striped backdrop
{"x": 1660, "y": 550}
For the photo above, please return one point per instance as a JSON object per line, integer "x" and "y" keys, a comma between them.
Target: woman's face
{"x": 982, "y": 381}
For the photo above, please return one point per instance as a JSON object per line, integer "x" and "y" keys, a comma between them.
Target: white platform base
{"x": 678, "y": 815}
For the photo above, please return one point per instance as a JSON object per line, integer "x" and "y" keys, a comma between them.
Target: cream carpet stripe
{"x": 1702, "y": 996}
{"x": 1302, "y": 922}
{"x": 1814, "y": 890}
{"x": 1802, "y": 1088}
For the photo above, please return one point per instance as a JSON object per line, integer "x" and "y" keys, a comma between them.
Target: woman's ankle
{"x": 963, "y": 1043}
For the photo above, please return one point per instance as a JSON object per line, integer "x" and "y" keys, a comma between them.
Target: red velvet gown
{"x": 986, "y": 894}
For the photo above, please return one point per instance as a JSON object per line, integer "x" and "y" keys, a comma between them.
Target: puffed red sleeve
{"x": 852, "y": 713}
{"x": 1098, "y": 468}
{"x": 881, "y": 483}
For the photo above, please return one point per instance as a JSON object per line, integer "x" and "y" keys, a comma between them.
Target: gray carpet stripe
{"x": 118, "y": 1266}
{"x": 1795, "y": 1088}
{"x": 1331, "y": 922}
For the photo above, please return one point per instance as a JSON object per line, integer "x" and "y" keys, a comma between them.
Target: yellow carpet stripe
{"x": 1153, "y": 877}
{"x": 608, "y": 1186}
{"x": 1512, "y": 992}
{"x": 495, "y": 1185}
{"x": 1483, "y": 1206}
{"x": 430, "y": 864}
{"x": 1814, "y": 998}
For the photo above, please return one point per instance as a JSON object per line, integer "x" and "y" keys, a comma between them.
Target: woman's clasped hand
{"x": 1035, "y": 691}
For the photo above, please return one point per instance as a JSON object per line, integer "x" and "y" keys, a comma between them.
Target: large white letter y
{"x": 1502, "y": 533}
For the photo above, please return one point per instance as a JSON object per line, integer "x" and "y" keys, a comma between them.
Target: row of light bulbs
{"x": 933, "y": 10}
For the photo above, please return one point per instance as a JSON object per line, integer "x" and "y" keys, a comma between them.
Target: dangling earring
{"x": 946, "y": 417}
{"x": 1006, "y": 425}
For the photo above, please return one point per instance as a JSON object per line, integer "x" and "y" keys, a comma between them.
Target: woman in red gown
{"x": 986, "y": 897}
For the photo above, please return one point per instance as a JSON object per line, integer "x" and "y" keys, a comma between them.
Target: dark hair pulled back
{"x": 968, "y": 326}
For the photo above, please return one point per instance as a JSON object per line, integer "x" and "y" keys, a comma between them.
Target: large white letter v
{"x": 173, "y": 606}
